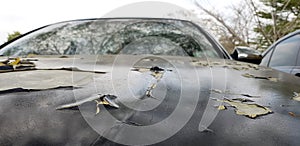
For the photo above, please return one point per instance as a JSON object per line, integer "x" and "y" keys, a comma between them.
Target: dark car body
{"x": 143, "y": 99}
{"x": 284, "y": 54}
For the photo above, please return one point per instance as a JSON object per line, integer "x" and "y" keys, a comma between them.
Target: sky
{"x": 26, "y": 15}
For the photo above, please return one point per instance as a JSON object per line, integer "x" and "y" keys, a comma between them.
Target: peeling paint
{"x": 243, "y": 100}
{"x": 254, "y": 66}
{"x": 199, "y": 63}
{"x": 156, "y": 72}
{"x": 44, "y": 79}
{"x": 157, "y": 75}
{"x": 222, "y": 107}
{"x": 25, "y": 64}
{"x": 142, "y": 70}
{"x": 296, "y": 96}
{"x": 216, "y": 91}
{"x": 106, "y": 100}
{"x": 239, "y": 68}
{"x": 248, "y": 110}
{"x": 149, "y": 90}
{"x": 99, "y": 99}
{"x": 231, "y": 65}
{"x": 273, "y": 79}
{"x": 247, "y": 75}
{"x": 251, "y": 96}
{"x": 16, "y": 64}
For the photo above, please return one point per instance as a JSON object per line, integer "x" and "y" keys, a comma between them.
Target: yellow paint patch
{"x": 296, "y": 97}
{"x": 2, "y": 64}
{"x": 104, "y": 102}
{"x": 249, "y": 110}
{"x": 221, "y": 107}
{"x": 15, "y": 62}
{"x": 157, "y": 75}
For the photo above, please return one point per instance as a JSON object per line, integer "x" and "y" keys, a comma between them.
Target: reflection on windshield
{"x": 132, "y": 36}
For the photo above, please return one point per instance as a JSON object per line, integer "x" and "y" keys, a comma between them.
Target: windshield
{"x": 115, "y": 36}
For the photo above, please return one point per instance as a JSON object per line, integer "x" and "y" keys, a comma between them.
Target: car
{"x": 284, "y": 54}
{"x": 139, "y": 81}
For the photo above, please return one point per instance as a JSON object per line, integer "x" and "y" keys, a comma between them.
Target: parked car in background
{"x": 139, "y": 81}
{"x": 283, "y": 55}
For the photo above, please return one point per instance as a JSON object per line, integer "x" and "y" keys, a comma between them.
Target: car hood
{"x": 95, "y": 100}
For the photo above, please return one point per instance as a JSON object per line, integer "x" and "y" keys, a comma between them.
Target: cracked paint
{"x": 156, "y": 72}
{"x": 44, "y": 79}
{"x": 249, "y": 110}
{"x": 222, "y": 107}
{"x": 296, "y": 96}
{"x": 247, "y": 75}
{"x": 108, "y": 100}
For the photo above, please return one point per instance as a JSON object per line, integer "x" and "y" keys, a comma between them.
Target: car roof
{"x": 281, "y": 39}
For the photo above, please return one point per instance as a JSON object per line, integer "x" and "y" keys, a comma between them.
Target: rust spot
{"x": 292, "y": 114}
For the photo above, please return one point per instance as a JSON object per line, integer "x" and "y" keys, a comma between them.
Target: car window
{"x": 286, "y": 52}
{"x": 266, "y": 58}
{"x": 132, "y": 36}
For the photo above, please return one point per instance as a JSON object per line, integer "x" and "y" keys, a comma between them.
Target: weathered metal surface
{"x": 30, "y": 117}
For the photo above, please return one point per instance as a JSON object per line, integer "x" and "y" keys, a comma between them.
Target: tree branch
{"x": 221, "y": 20}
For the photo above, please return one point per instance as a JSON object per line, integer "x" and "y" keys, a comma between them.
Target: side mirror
{"x": 246, "y": 54}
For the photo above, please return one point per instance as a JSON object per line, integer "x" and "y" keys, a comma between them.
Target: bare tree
{"x": 234, "y": 29}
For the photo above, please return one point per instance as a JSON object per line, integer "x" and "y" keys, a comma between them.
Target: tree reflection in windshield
{"x": 115, "y": 36}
